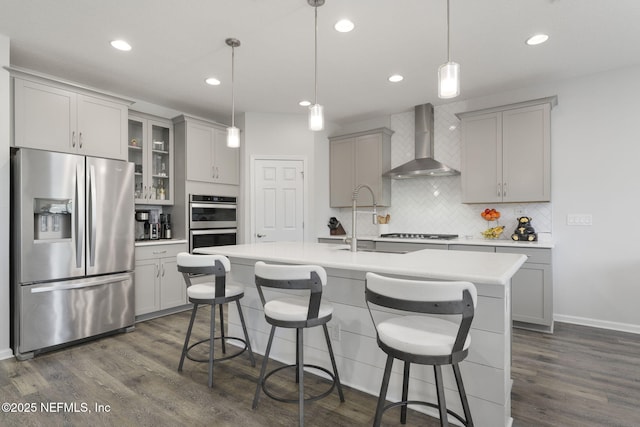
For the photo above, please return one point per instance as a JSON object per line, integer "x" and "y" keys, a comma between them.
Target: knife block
{"x": 339, "y": 231}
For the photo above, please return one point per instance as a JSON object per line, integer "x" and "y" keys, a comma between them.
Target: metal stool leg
{"x": 263, "y": 369}
{"x": 383, "y": 391}
{"x": 442, "y": 404}
{"x": 405, "y": 393}
{"x": 463, "y": 395}
{"x": 246, "y": 335}
{"x": 186, "y": 340}
{"x": 297, "y": 358}
{"x": 224, "y": 344}
{"x": 212, "y": 334}
{"x": 300, "y": 370}
{"x": 333, "y": 362}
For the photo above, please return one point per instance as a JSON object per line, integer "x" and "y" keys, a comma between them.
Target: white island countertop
{"x": 476, "y": 267}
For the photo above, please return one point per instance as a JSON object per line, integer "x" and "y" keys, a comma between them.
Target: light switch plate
{"x": 579, "y": 219}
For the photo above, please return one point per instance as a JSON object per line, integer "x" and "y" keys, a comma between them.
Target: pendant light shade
{"x": 316, "y": 117}
{"x": 233, "y": 133}
{"x": 449, "y": 73}
{"x": 233, "y": 137}
{"x": 316, "y": 111}
{"x": 449, "y": 80}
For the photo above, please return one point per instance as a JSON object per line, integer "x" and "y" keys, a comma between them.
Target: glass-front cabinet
{"x": 151, "y": 150}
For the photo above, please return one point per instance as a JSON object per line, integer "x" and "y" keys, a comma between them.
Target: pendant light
{"x": 233, "y": 133}
{"x": 316, "y": 114}
{"x": 449, "y": 73}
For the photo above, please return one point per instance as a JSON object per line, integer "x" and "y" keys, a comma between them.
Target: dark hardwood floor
{"x": 576, "y": 377}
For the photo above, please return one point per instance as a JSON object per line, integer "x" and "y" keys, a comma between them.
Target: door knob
{"x": 261, "y": 235}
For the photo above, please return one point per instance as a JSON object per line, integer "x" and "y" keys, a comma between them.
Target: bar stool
{"x": 211, "y": 293}
{"x": 421, "y": 339}
{"x": 299, "y": 313}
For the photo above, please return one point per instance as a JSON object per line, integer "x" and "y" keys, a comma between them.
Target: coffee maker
{"x": 143, "y": 231}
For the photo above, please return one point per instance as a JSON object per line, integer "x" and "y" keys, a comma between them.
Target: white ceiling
{"x": 176, "y": 44}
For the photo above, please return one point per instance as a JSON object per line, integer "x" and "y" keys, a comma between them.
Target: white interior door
{"x": 279, "y": 200}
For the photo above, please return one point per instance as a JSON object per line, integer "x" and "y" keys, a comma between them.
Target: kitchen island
{"x": 487, "y": 369}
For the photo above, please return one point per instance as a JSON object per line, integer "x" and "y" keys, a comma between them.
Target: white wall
{"x": 287, "y": 135}
{"x": 595, "y": 152}
{"x": 5, "y": 130}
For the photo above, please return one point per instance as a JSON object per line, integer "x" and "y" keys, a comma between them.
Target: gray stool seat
{"x": 425, "y": 336}
{"x": 413, "y": 337}
{"x": 297, "y": 312}
{"x": 216, "y": 293}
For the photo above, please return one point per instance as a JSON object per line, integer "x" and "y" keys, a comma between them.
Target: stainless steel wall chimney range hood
{"x": 424, "y": 164}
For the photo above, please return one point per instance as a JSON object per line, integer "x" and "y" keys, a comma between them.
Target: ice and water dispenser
{"x": 52, "y": 219}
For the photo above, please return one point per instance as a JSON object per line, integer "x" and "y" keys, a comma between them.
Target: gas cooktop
{"x": 420, "y": 236}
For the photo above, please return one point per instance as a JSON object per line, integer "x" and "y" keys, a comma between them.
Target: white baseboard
{"x": 604, "y": 324}
{"x": 6, "y": 354}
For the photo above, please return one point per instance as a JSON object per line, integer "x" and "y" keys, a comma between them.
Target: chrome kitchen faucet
{"x": 354, "y": 199}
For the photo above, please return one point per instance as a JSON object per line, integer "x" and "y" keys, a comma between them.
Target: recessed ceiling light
{"x": 344, "y": 26}
{"x": 212, "y": 81}
{"x": 396, "y": 78}
{"x": 537, "y": 39}
{"x": 121, "y": 45}
{"x": 453, "y": 127}
{"x": 304, "y": 103}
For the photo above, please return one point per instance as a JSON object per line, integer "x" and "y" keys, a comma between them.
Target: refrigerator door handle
{"x": 79, "y": 229}
{"x": 93, "y": 211}
{"x": 66, "y": 287}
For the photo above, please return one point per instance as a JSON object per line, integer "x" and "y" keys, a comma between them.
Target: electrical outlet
{"x": 579, "y": 219}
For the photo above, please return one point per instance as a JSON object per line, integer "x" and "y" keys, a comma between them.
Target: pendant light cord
{"x": 316, "y": 54}
{"x": 448, "y": 35}
{"x": 233, "y": 98}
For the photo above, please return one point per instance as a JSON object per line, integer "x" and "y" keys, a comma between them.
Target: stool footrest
{"x": 308, "y": 399}
{"x": 432, "y": 405}
{"x": 217, "y": 359}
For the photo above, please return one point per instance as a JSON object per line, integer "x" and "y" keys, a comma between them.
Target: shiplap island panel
{"x": 487, "y": 370}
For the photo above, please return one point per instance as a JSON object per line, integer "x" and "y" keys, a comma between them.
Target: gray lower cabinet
{"x": 158, "y": 284}
{"x": 472, "y": 248}
{"x": 532, "y": 289}
{"x": 362, "y": 243}
{"x": 410, "y": 247}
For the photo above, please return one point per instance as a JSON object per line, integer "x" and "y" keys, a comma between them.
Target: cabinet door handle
{"x": 213, "y": 171}
{"x": 159, "y": 252}
{"x": 504, "y": 189}
{"x": 259, "y": 235}
{"x": 162, "y": 270}
{"x": 498, "y": 190}
{"x": 73, "y": 139}
{"x": 80, "y": 139}
{"x": 157, "y": 270}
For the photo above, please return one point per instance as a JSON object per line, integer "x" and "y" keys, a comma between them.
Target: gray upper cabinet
{"x": 360, "y": 158}
{"x": 506, "y": 153}
{"x": 57, "y": 117}
{"x": 208, "y": 159}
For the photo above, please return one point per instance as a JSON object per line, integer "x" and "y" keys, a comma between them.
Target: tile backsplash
{"x": 433, "y": 204}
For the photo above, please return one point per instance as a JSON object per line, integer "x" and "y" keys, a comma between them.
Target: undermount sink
{"x": 382, "y": 251}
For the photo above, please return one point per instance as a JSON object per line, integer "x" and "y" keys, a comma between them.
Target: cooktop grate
{"x": 424, "y": 236}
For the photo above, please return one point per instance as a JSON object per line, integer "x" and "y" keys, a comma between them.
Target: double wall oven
{"x": 213, "y": 221}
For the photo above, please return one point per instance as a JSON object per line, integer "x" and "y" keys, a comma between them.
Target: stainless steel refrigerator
{"x": 72, "y": 248}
